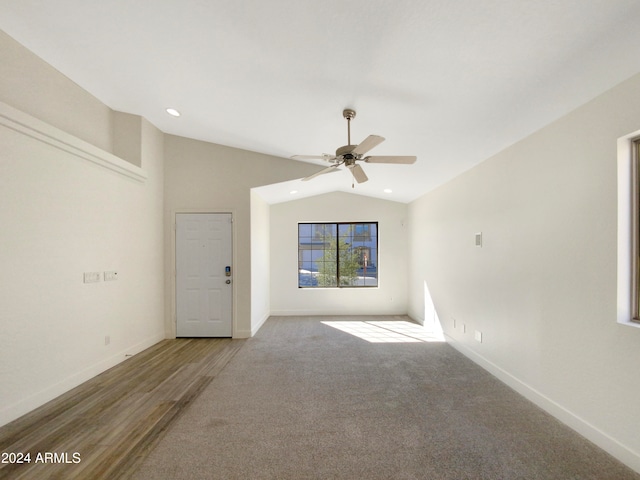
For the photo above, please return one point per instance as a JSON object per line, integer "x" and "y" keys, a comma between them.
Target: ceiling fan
{"x": 348, "y": 155}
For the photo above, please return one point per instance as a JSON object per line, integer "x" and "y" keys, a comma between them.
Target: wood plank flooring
{"x": 105, "y": 427}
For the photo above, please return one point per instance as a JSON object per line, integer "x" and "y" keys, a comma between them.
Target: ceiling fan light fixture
{"x": 348, "y": 154}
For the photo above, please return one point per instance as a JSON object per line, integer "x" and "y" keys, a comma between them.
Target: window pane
{"x": 304, "y": 230}
{"x": 358, "y": 254}
{"x": 366, "y": 243}
{"x": 327, "y": 273}
{"x": 305, "y": 256}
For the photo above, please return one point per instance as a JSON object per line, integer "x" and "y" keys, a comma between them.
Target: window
{"x": 337, "y": 255}
{"x": 635, "y": 229}
{"x": 628, "y": 284}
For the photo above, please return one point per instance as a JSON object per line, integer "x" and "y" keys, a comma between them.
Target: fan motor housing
{"x": 346, "y": 150}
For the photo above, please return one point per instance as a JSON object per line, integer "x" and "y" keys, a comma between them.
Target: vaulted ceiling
{"x": 451, "y": 81}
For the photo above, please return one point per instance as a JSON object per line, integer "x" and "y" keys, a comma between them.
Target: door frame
{"x": 173, "y": 306}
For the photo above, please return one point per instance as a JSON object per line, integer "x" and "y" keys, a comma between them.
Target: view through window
{"x": 337, "y": 255}
{"x": 635, "y": 229}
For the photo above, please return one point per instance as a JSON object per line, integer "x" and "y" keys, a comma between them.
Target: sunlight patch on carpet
{"x": 388, "y": 331}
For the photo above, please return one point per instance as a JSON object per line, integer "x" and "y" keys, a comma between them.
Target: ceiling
{"x": 451, "y": 81}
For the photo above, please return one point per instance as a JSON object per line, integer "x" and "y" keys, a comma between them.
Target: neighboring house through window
{"x": 337, "y": 255}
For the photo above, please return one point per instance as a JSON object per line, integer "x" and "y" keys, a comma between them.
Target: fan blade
{"x": 397, "y": 159}
{"x": 358, "y": 173}
{"x": 367, "y": 144}
{"x": 326, "y": 157}
{"x": 332, "y": 168}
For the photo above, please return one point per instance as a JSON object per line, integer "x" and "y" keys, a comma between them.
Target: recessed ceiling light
{"x": 293, "y": 192}
{"x": 388, "y": 190}
{"x": 173, "y": 112}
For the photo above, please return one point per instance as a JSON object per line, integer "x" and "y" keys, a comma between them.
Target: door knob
{"x": 228, "y": 282}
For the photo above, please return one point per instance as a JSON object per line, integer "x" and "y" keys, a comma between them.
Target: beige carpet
{"x": 306, "y": 400}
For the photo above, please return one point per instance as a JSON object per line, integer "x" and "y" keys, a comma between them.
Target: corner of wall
{"x": 127, "y": 137}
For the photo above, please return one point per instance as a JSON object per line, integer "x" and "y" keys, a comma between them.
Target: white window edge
{"x": 625, "y": 275}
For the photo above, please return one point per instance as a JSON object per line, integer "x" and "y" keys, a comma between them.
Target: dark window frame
{"x": 635, "y": 229}
{"x": 362, "y": 232}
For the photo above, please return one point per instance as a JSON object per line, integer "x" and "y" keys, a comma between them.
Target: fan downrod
{"x": 348, "y": 114}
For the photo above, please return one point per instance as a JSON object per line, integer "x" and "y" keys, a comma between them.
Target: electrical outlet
{"x": 478, "y": 238}
{"x": 479, "y": 336}
{"x": 91, "y": 277}
{"x": 110, "y": 276}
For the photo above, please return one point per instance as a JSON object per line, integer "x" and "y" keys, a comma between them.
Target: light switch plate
{"x": 110, "y": 276}
{"x": 91, "y": 277}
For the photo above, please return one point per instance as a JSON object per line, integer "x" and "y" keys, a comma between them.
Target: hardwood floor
{"x": 106, "y": 426}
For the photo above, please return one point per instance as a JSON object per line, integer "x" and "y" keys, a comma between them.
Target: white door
{"x": 203, "y": 275}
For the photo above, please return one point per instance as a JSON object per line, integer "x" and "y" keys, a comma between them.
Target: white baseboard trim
{"x": 322, "y": 313}
{"x": 38, "y": 399}
{"x": 242, "y": 334}
{"x": 256, "y": 327}
{"x": 584, "y": 428}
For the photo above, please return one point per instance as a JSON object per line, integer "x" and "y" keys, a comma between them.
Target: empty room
{"x": 340, "y": 239}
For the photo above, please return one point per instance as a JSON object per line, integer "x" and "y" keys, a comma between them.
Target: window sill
{"x": 629, "y": 323}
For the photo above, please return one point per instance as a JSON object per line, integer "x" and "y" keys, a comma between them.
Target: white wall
{"x": 260, "y": 262}
{"x": 205, "y": 177}
{"x": 542, "y": 289}
{"x": 390, "y": 298}
{"x": 63, "y": 215}
{"x": 33, "y": 86}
